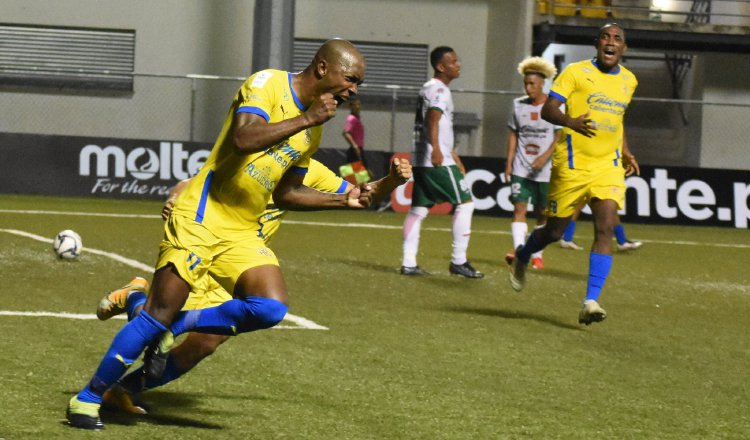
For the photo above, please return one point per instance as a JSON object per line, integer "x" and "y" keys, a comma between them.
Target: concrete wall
{"x": 461, "y": 25}
{"x": 172, "y": 37}
{"x": 726, "y": 131}
{"x": 182, "y": 37}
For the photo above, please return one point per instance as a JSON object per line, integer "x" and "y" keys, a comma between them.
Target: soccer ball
{"x": 67, "y": 245}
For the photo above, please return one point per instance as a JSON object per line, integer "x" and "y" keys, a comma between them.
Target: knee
{"x": 551, "y": 232}
{"x": 552, "y": 235}
{"x": 465, "y": 208}
{"x": 266, "y": 312}
{"x": 419, "y": 211}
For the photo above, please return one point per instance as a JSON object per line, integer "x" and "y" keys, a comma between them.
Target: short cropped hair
{"x": 437, "y": 54}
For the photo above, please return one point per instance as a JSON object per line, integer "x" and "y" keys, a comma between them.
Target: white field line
{"x": 302, "y": 323}
{"x": 367, "y": 226}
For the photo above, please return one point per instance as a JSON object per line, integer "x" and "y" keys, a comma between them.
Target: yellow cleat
{"x": 83, "y": 415}
{"x": 118, "y": 398}
{"x": 114, "y": 302}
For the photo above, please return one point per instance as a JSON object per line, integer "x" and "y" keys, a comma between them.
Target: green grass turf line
{"x": 405, "y": 358}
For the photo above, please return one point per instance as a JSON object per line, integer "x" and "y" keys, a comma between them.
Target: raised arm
{"x": 292, "y": 194}
{"x": 399, "y": 173}
{"x": 252, "y": 133}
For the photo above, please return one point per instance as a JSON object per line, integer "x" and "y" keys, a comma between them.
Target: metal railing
{"x": 719, "y": 12}
{"x": 193, "y": 108}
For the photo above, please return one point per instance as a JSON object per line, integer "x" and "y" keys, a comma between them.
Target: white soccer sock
{"x": 461, "y": 231}
{"x": 518, "y": 231}
{"x": 412, "y": 228}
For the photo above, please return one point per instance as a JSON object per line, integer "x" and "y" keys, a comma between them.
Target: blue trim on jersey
{"x": 617, "y": 153}
{"x": 557, "y": 96}
{"x": 255, "y": 111}
{"x": 294, "y": 95}
{"x": 204, "y": 197}
{"x": 614, "y": 71}
{"x": 342, "y": 188}
{"x": 298, "y": 170}
{"x": 569, "y": 141}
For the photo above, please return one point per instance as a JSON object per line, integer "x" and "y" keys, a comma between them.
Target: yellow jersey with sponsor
{"x": 231, "y": 191}
{"x": 318, "y": 177}
{"x": 207, "y": 292}
{"x": 605, "y": 97}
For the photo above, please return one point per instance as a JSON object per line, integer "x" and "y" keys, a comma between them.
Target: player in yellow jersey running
{"x": 197, "y": 346}
{"x": 590, "y": 160}
{"x": 273, "y": 128}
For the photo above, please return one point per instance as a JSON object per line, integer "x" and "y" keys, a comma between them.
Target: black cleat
{"x": 83, "y": 415}
{"x": 465, "y": 270}
{"x": 414, "y": 270}
{"x": 155, "y": 359}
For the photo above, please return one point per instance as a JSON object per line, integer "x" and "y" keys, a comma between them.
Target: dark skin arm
{"x": 399, "y": 173}
{"x": 512, "y": 145}
{"x": 292, "y": 194}
{"x": 582, "y": 124}
{"x": 252, "y": 133}
{"x": 628, "y": 159}
{"x": 542, "y": 160}
{"x": 172, "y": 198}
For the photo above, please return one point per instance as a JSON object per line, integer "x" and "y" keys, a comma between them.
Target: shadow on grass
{"x": 156, "y": 419}
{"x": 560, "y": 274}
{"x": 442, "y": 278}
{"x": 509, "y": 314}
{"x": 370, "y": 266}
{"x": 156, "y": 401}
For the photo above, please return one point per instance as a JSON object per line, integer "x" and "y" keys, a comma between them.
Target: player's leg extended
{"x": 260, "y": 303}
{"x": 182, "y": 358}
{"x": 127, "y": 346}
{"x": 177, "y": 361}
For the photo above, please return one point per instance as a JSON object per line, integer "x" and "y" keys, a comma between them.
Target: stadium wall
{"x": 147, "y": 169}
{"x": 179, "y": 37}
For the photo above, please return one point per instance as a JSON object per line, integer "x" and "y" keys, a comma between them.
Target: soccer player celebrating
{"x": 590, "y": 160}
{"x": 531, "y": 142}
{"x": 273, "y": 128}
{"x": 208, "y": 293}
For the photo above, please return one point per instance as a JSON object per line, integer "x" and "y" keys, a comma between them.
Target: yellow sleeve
{"x": 323, "y": 179}
{"x": 258, "y": 95}
{"x": 564, "y": 85}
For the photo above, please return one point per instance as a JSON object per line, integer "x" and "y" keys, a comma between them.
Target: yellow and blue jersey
{"x": 605, "y": 96}
{"x": 206, "y": 292}
{"x": 231, "y": 191}
{"x": 318, "y": 177}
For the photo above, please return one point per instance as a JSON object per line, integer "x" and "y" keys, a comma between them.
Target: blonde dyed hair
{"x": 537, "y": 65}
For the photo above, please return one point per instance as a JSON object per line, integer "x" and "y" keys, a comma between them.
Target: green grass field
{"x": 403, "y": 358}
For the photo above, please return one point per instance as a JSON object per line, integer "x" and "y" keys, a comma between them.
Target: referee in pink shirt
{"x": 354, "y": 132}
